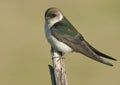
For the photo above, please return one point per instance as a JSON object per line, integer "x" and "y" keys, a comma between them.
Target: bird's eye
{"x": 53, "y": 15}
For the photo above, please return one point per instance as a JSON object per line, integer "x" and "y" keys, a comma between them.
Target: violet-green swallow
{"x": 64, "y": 38}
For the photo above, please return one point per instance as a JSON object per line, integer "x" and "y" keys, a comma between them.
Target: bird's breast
{"x": 56, "y": 44}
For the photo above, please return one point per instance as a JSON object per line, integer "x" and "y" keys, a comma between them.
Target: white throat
{"x": 57, "y": 45}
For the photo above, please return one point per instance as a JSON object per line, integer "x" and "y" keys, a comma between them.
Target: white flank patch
{"x": 54, "y": 42}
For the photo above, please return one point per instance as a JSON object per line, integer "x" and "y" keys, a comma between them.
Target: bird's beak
{"x": 47, "y": 18}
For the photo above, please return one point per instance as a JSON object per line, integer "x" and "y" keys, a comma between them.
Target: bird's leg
{"x": 56, "y": 54}
{"x": 61, "y": 55}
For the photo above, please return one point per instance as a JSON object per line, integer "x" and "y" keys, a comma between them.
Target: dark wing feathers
{"x": 100, "y": 53}
{"x": 78, "y": 44}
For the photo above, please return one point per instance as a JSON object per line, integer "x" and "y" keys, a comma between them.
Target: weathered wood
{"x": 51, "y": 69}
{"x": 59, "y": 68}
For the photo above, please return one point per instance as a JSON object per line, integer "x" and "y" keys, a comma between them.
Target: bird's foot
{"x": 58, "y": 57}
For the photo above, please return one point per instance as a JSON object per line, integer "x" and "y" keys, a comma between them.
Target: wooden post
{"x": 52, "y": 75}
{"x": 60, "y": 75}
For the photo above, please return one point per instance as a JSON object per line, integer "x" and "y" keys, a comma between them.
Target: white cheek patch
{"x": 55, "y": 20}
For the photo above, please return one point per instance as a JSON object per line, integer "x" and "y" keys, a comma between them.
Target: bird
{"x": 65, "y": 38}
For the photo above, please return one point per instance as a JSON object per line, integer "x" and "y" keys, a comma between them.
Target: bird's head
{"x": 53, "y": 15}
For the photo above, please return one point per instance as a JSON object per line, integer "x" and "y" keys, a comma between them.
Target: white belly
{"x": 55, "y": 43}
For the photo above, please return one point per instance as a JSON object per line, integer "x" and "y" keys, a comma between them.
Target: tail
{"x": 101, "y": 54}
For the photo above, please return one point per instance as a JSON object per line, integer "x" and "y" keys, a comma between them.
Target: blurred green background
{"x": 24, "y": 51}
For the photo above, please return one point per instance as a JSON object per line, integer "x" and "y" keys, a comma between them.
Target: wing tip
{"x": 110, "y": 58}
{"x": 114, "y": 59}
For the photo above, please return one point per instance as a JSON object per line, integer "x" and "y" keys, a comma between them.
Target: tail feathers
{"x": 85, "y": 49}
{"x": 107, "y": 63}
{"x": 101, "y": 54}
